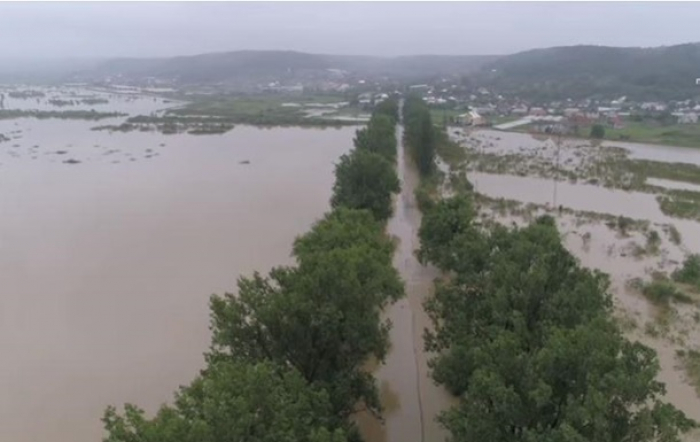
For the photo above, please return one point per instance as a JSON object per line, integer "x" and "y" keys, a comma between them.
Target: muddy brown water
{"x": 606, "y": 251}
{"x": 107, "y": 268}
{"x": 410, "y": 397}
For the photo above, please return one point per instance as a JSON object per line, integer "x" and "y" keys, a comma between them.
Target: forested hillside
{"x": 667, "y": 72}
{"x": 246, "y": 65}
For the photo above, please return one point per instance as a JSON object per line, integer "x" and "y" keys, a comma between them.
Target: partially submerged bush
{"x": 661, "y": 292}
{"x": 690, "y": 272}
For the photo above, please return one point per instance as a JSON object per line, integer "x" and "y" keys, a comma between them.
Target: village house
{"x": 571, "y": 111}
{"x": 688, "y": 118}
{"x": 617, "y": 122}
{"x": 649, "y": 106}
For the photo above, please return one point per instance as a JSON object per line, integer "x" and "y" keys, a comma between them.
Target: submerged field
{"x": 622, "y": 210}
{"x": 679, "y": 135}
{"x": 672, "y": 175}
{"x": 113, "y": 242}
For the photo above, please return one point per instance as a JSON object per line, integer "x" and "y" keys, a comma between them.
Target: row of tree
{"x": 366, "y": 177}
{"x": 288, "y": 350}
{"x": 525, "y": 338}
{"x": 419, "y": 135}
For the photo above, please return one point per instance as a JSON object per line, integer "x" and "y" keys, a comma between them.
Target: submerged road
{"x": 410, "y": 397}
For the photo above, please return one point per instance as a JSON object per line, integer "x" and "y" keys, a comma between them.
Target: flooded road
{"x": 411, "y": 399}
{"x": 107, "y": 268}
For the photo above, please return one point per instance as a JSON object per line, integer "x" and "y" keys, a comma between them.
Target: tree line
{"x": 287, "y": 352}
{"x": 524, "y": 336}
{"x": 419, "y": 135}
{"x": 366, "y": 177}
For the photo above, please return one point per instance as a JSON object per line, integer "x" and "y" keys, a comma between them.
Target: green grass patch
{"x": 445, "y": 116}
{"x": 689, "y": 173}
{"x": 235, "y": 107}
{"x": 684, "y": 135}
{"x": 680, "y": 204}
{"x": 258, "y": 110}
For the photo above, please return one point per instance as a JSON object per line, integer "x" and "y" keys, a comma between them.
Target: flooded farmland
{"x": 112, "y": 242}
{"x": 108, "y": 262}
{"x": 529, "y": 179}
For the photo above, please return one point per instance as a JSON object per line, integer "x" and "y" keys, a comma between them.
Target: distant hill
{"x": 242, "y": 66}
{"x": 28, "y": 70}
{"x": 667, "y": 72}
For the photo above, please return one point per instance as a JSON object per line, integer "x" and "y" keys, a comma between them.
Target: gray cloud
{"x": 165, "y": 29}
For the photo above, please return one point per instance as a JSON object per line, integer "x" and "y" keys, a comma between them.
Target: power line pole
{"x": 556, "y": 170}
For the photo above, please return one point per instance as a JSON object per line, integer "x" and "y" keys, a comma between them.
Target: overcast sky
{"x": 164, "y": 29}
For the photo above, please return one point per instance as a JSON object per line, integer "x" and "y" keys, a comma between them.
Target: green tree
{"x": 525, "y": 338}
{"x": 448, "y": 232}
{"x": 582, "y": 384}
{"x": 322, "y": 317}
{"x": 389, "y": 108}
{"x": 379, "y": 136}
{"x": 233, "y": 401}
{"x": 365, "y": 180}
{"x": 419, "y": 134}
{"x": 344, "y": 228}
{"x": 598, "y": 131}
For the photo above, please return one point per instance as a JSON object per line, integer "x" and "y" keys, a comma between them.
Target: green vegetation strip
{"x": 684, "y": 135}
{"x": 593, "y": 164}
{"x": 289, "y": 350}
{"x": 523, "y": 334}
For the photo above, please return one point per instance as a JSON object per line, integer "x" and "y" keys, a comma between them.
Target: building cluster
{"x": 482, "y": 107}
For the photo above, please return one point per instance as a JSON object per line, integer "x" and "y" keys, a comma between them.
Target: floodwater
{"x": 655, "y": 152}
{"x": 586, "y": 197}
{"x": 502, "y": 142}
{"x": 410, "y": 397}
{"x": 107, "y": 264}
{"x": 71, "y": 98}
{"x": 599, "y": 247}
{"x": 672, "y": 184}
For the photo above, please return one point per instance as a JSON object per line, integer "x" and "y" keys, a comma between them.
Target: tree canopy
{"x": 524, "y": 336}
{"x": 597, "y": 131}
{"x": 419, "y": 134}
{"x": 286, "y": 361}
{"x": 390, "y": 108}
{"x": 379, "y": 136}
{"x": 365, "y": 180}
{"x": 234, "y": 401}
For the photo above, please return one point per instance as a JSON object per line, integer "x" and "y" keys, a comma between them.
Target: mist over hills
{"x": 241, "y": 65}
{"x": 667, "y": 72}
